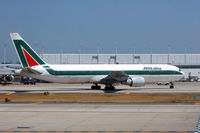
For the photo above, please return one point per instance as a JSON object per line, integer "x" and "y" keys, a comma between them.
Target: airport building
{"x": 189, "y": 63}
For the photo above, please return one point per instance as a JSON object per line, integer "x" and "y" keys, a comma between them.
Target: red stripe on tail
{"x": 30, "y": 60}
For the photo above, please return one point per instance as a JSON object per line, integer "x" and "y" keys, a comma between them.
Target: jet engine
{"x": 135, "y": 81}
{"x": 9, "y": 78}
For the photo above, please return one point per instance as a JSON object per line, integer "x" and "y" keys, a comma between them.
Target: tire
{"x": 111, "y": 88}
{"x": 98, "y": 87}
{"x": 94, "y": 87}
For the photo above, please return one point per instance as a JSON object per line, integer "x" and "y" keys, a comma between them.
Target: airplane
{"x": 7, "y": 72}
{"x": 133, "y": 75}
{"x": 6, "y": 79}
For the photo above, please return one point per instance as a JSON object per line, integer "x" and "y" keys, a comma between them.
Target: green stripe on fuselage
{"x": 99, "y": 72}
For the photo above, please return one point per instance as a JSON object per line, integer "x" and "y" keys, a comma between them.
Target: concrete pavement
{"x": 99, "y": 117}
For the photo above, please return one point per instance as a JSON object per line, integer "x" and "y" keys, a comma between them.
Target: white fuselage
{"x": 93, "y": 73}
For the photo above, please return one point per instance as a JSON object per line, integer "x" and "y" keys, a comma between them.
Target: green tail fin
{"x": 28, "y": 57}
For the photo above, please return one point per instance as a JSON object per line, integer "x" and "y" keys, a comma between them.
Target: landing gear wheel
{"x": 171, "y": 85}
{"x": 110, "y": 88}
{"x": 95, "y": 87}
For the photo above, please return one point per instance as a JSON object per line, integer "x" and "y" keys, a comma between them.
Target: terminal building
{"x": 189, "y": 63}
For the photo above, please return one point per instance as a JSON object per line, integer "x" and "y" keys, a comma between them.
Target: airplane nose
{"x": 183, "y": 74}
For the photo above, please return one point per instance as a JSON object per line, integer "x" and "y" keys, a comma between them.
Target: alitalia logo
{"x": 27, "y": 56}
{"x": 29, "y": 59}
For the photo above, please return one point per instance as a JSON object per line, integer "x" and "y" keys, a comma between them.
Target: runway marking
{"x": 10, "y": 93}
{"x": 127, "y": 93}
{"x": 36, "y": 103}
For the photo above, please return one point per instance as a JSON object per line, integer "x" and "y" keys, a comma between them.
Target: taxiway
{"x": 99, "y": 117}
{"x": 180, "y": 87}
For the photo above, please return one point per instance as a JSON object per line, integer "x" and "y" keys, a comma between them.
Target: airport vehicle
{"x": 108, "y": 74}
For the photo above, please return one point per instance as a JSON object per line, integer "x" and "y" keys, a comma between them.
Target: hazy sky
{"x": 54, "y": 26}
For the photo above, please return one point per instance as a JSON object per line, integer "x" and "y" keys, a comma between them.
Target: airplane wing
{"x": 115, "y": 77}
{"x": 6, "y": 74}
{"x": 8, "y": 69}
{"x": 4, "y": 71}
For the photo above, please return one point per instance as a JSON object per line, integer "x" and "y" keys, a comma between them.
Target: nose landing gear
{"x": 95, "y": 87}
{"x": 171, "y": 85}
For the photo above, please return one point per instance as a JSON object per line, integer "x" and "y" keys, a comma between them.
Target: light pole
{"x": 185, "y": 56}
{"x": 61, "y": 56}
{"x": 79, "y": 53}
{"x": 116, "y": 55}
{"x": 151, "y": 56}
{"x": 169, "y": 51}
{"x": 134, "y": 53}
{"x": 4, "y": 53}
{"x": 98, "y": 53}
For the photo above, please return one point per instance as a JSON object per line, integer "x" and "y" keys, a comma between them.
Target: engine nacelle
{"x": 135, "y": 81}
{"x": 9, "y": 78}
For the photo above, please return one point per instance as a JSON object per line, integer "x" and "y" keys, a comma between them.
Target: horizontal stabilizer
{"x": 29, "y": 70}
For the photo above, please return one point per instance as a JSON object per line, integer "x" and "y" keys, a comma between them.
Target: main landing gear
{"x": 171, "y": 86}
{"x": 109, "y": 87}
{"x": 96, "y": 87}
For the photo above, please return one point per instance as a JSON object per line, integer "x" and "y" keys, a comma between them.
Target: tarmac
{"x": 98, "y": 117}
{"x": 180, "y": 87}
